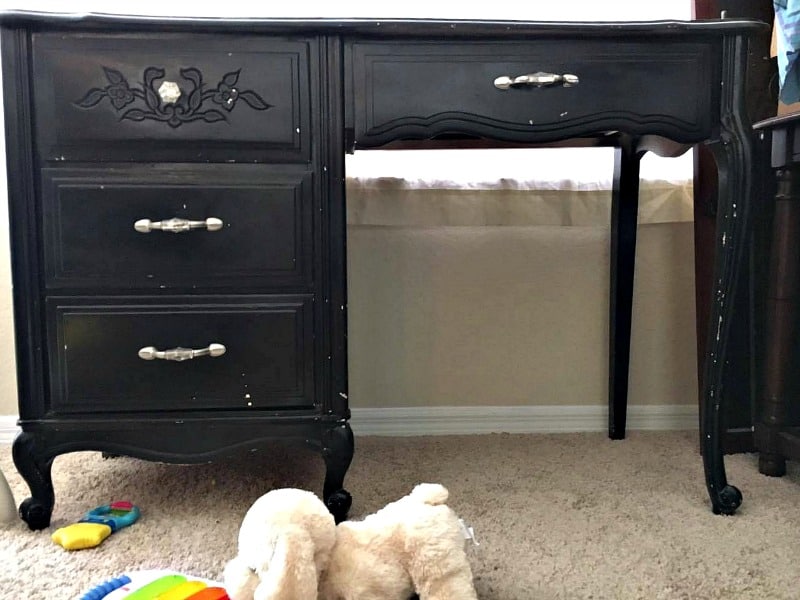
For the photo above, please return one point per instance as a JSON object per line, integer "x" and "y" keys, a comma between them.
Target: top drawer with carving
{"x": 543, "y": 90}
{"x": 172, "y": 97}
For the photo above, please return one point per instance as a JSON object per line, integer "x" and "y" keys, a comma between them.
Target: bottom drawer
{"x": 123, "y": 355}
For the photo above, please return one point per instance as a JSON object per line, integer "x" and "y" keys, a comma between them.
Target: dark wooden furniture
{"x": 776, "y": 438}
{"x": 122, "y": 131}
{"x": 742, "y": 379}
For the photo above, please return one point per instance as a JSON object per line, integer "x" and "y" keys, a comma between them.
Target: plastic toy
{"x": 160, "y": 585}
{"x": 96, "y": 525}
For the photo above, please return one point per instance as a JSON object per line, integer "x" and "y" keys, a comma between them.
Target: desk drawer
{"x": 172, "y": 97}
{"x": 424, "y": 89}
{"x": 263, "y": 235}
{"x": 95, "y": 344}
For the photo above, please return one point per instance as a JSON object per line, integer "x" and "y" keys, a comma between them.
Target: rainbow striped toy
{"x": 156, "y": 585}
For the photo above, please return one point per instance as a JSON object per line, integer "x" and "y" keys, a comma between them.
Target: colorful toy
{"x": 96, "y": 525}
{"x": 156, "y": 585}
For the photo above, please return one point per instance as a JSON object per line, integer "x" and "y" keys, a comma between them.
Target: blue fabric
{"x": 787, "y": 26}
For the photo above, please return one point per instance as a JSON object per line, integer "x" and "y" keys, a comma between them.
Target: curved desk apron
{"x": 124, "y": 131}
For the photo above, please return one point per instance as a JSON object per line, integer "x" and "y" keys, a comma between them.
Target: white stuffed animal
{"x": 285, "y": 542}
{"x": 415, "y": 544}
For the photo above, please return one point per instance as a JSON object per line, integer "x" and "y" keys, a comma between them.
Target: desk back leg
{"x": 624, "y": 216}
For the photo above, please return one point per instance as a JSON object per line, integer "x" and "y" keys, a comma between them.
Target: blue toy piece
{"x": 105, "y": 588}
{"x": 157, "y": 584}
{"x": 116, "y": 515}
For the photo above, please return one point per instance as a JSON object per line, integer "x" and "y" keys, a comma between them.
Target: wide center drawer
{"x": 105, "y": 353}
{"x": 423, "y": 89}
{"x": 172, "y": 97}
{"x": 136, "y": 227}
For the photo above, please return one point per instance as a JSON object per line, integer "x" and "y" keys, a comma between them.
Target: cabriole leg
{"x": 734, "y": 160}
{"x": 36, "y": 470}
{"x": 337, "y": 451}
{"x": 734, "y": 156}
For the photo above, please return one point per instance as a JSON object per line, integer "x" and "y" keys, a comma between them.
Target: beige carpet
{"x": 557, "y": 516}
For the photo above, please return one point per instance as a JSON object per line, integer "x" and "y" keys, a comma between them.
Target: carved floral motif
{"x": 190, "y": 106}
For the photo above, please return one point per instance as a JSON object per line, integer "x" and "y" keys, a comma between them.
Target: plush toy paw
{"x": 96, "y": 525}
{"x": 240, "y": 580}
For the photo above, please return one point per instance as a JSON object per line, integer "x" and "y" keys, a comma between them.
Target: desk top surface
{"x": 388, "y": 27}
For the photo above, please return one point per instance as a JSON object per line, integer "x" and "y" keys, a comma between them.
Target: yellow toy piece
{"x": 185, "y": 590}
{"x": 79, "y": 536}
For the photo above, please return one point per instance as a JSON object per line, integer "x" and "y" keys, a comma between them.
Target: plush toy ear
{"x": 292, "y": 573}
{"x": 239, "y": 579}
{"x": 429, "y": 493}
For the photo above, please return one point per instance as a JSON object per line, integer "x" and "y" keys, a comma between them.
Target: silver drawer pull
{"x": 538, "y": 79}
{"x": 176, "y": 225}
{"x": 180, "y": 354}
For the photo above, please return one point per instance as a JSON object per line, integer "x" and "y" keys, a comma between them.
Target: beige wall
{"x": 468, "y": 316}
{"x": 8, "y": 377}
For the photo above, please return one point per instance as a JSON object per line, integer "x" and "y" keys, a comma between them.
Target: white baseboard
{"x": 456, "y": 420}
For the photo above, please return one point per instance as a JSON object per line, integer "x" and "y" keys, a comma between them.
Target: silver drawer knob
{"x": 170, "y": 92}
{"x": 176, "y": 225}
{"x": 538, "y": 79}
{"x": 180, "y": 354}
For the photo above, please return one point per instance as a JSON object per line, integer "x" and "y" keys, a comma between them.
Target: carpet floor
{"x": 563, "y": 516}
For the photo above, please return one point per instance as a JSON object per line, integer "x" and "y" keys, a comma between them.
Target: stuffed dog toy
{"x": 415, "y": 544}
{"x": 285, "y": 542}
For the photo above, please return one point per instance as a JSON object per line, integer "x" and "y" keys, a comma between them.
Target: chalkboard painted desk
{"x": 176, "y": 192}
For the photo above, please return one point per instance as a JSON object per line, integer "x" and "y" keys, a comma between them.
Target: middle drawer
{"x": 171, "y": 226}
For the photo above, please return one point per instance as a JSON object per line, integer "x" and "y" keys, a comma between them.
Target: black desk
{"x": 122, "y": 132}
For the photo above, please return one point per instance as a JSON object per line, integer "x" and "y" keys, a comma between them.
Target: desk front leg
{"x": 35, "y": 464}
{"x": 337, "y": 451}
{"x": 624, "y": 217}
{"x": 734, "y": 162}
